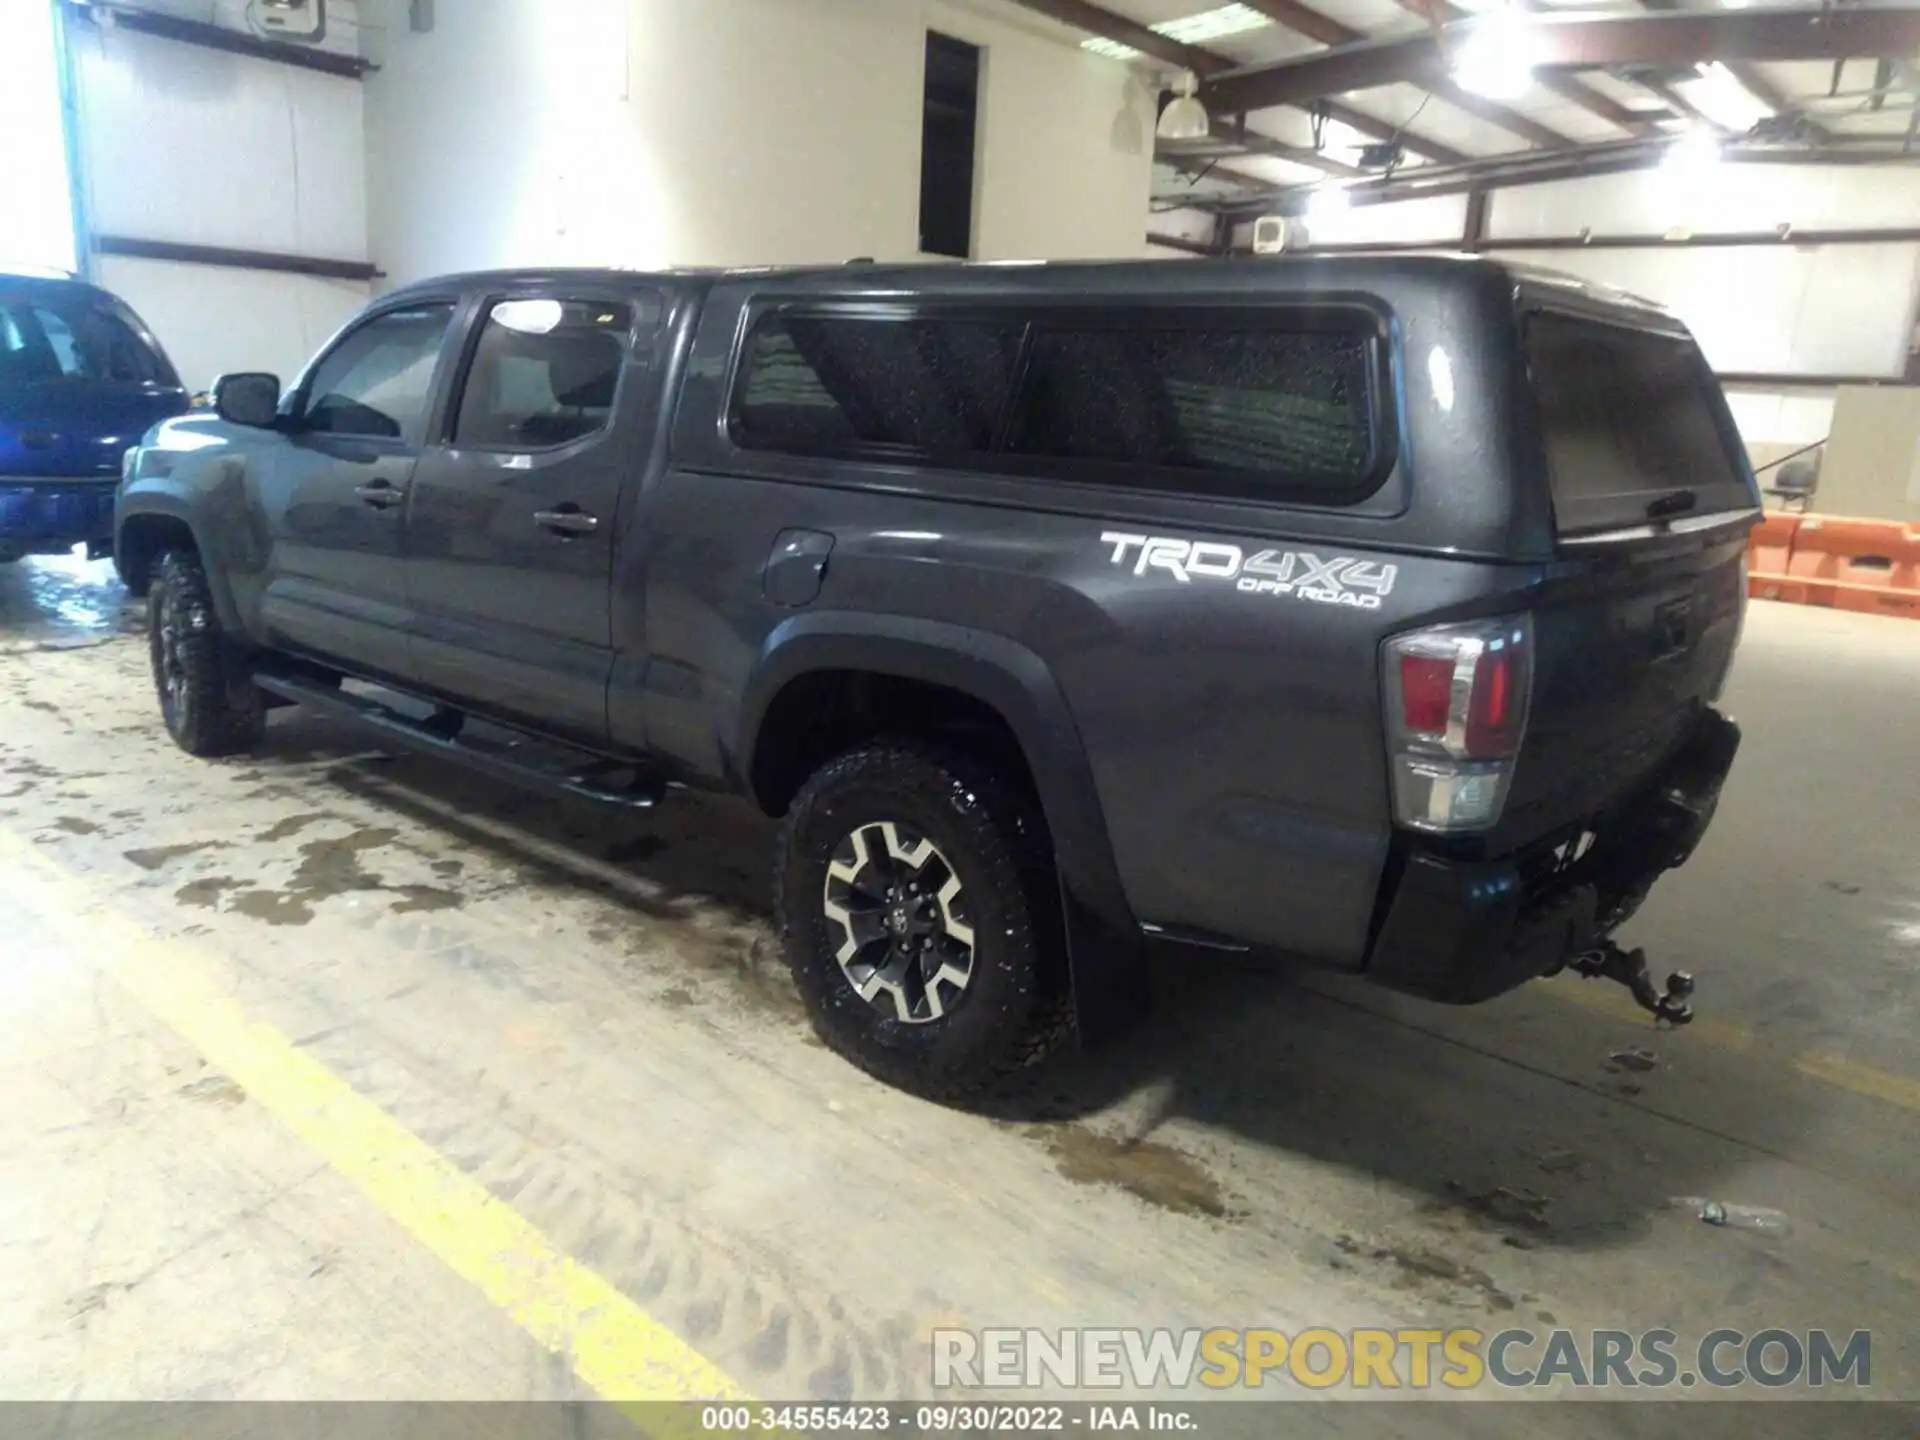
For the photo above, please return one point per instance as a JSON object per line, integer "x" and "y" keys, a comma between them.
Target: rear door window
{"x": 1631, "y": 425}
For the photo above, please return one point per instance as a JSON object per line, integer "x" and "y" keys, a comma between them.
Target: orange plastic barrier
{"x": 1890, "y": 590}
{"x": 1769, "y": 549}
{"x": 1867, "y": 565}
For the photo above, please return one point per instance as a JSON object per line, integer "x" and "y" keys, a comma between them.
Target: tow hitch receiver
{"x": 1629, "y": 968}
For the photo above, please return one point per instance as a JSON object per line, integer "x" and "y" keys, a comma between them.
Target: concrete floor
{"x": 580, "y": 1023}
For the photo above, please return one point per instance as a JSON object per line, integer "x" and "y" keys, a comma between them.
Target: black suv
{"x": 1368, "y": 612}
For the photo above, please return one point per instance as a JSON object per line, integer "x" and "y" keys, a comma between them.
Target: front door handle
{"x": 569, "y": 519}
{"x": 380, "y": 494}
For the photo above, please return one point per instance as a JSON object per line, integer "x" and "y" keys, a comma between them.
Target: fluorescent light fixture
{"x": 1190, "y": 29}
{"x": 1213, "y": 24}
{"x": 1719, "y": 95}
{"x": 1497, "y": 58}
{"x": 1185, "y": 118}
{"x": 1694, "y": 155}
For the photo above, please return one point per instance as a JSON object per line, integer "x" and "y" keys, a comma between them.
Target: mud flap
{"x": 1108, "y": 967}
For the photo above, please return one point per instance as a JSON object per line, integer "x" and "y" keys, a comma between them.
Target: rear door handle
{"x": 567, "y": 520}
{"x": 380, "y": 494}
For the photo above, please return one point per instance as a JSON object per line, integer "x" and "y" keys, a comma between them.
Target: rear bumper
{"x": 43, "y": 515}
{"x": 1463, "y": 931}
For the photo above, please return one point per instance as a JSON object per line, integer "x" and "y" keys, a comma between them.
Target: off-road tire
{"x": 1016, "y": 1005}
{"x": 208, "y": 704}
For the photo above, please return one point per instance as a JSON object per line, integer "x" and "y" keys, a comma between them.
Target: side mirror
{"x": 248, "y": 398}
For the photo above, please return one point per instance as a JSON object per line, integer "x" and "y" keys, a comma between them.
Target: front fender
{"x": 1103, "y": 937}
{"x": 208, "y": 499}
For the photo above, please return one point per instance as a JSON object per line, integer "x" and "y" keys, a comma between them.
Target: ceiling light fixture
{"x": 1326, "y": 201}
{"x": 1696, "y": 153}
{"x": 1185, "y": 118}
{"x": 1189, "y": 29}
{"x": 1498, "y": 57}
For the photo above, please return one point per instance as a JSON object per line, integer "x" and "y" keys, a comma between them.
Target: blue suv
{"x": 81, "y": 380}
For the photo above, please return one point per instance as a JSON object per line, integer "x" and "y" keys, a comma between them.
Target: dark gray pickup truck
{"x": 1367, "y": 612}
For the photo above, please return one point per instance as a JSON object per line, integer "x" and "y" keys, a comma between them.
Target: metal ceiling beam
{"x": 1253, "y": 142}
{"x": 1204, "y": 167}
{"x": 1496, "y": 172}
{"x": 1180, "y": 242}
{"x": 1565, "y": 86}
{"x": 1565, "y": 42}
{"x": 1122, "y": 31}
{"x": 1756, "y": 84}
{"x": 1761, "y": 88}
{"x": 1677, "y": 102}
{"x": 1228, "y": 142}
{"x": 1377, "y": 129}
{"x": 1305, "y": 20}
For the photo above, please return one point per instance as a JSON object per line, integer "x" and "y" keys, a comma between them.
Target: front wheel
{"x": 918, "y": 913}
{"x": 207, "y": 703}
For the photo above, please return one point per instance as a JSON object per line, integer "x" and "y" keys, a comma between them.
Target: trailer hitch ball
{"x": 1629, "y": 968}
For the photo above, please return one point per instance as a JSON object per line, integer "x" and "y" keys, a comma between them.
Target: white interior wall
{"x": 651, "y": 132}
{"x": 1786, "y": 309}
{"x": 1778, "y": 310}
{"x": 196, "y": 146}
{"x": 214, "y": 320}
{"x": 1438, "y": 220}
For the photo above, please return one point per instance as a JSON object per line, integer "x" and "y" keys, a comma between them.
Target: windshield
{"x": 1632, "y": 424}
{"x": 46, "y": 338}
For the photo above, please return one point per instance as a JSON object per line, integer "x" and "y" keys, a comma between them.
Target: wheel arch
{"x": 1015, "y": 684}
{"x": 145, "y": 527}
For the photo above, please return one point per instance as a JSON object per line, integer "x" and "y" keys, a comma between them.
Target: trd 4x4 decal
{"x": 1341, "y": 580}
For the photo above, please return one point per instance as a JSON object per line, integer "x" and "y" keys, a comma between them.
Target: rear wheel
{"x": 207, "y": 703}
{"x": 917, "y": 911}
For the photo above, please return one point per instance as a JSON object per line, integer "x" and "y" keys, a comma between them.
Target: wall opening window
{"x": 36, "y": 222}
{"x": 949, "y": 118}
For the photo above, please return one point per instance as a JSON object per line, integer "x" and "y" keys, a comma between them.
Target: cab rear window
{"x": 1632, "y": 425}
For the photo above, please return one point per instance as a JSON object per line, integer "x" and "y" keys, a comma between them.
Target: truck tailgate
{"x": 1628, "y": 647}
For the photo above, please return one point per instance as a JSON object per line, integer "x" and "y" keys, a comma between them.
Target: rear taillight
{"x": 1456, "y": 700}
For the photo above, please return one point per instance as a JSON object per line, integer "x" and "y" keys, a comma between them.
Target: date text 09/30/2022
{"x": 983, "y": 1418}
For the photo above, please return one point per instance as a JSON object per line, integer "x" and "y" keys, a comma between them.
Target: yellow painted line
{"x": 1861, "y": 1079}
{"x": 1832, "y": 1070}
{"x": 613, "y": 1345}
{"x": 1609, "y": 999}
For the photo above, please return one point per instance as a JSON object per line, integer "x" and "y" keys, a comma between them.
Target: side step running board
{"x": 435, "y": 736}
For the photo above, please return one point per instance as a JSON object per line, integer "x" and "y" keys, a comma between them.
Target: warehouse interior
{"x": 345, "y": 1074}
